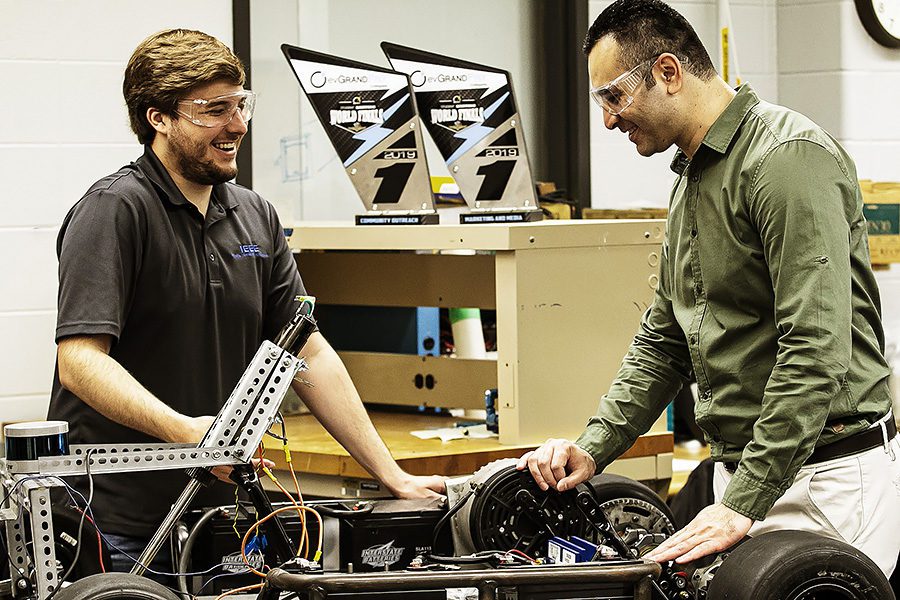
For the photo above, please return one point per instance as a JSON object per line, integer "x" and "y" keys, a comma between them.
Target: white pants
{"x": 854, "y": 499}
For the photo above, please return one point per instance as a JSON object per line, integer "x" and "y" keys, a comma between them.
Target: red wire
{"x": 520, "y": 553}
{"x": 99, "y": 539}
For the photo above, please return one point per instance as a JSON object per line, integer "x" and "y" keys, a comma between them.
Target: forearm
{"x": 332, "y": 398}
{"x": 86, "y": 370}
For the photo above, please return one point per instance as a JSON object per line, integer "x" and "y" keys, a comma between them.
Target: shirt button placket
{"x": 212, "y": 263}
{"x": 697, "y": 287}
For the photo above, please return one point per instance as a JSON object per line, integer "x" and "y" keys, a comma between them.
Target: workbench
{"x": 568, "y": 297}
{"x": 325, "y": 469}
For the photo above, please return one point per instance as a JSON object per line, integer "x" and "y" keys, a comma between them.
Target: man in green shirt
{"x": 766, "y": 297}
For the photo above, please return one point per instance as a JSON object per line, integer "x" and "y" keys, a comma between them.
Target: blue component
{"x": 572, "y": 550}
{"x": 492, "y": 419}
{"x": 428, "y": 331}
{"x": 589, "y": 549}
{"x": 256, "y": 543}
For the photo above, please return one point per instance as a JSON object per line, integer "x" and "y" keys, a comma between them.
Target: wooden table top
{"x": 313, "y": 450}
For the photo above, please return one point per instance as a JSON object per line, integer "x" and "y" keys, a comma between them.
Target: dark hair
{"x": 166, "y": 66}
{"x": 644, "y": 29}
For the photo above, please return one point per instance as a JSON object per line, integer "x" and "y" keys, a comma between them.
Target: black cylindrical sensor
{"x": 36, "y": 439}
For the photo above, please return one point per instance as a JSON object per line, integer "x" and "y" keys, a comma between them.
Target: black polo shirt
{"x": 187, "y": 300}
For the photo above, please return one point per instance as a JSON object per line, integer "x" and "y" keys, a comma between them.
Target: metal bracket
{"x": 233, "y": 437}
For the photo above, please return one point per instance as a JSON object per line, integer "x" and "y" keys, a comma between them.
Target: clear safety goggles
{"x": 218, "y": 111}
{"x": 618, "y": 94}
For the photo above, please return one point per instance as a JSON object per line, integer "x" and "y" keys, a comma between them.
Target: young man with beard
{"x": 766, "y": 296}
{"x": 170, "y": 278}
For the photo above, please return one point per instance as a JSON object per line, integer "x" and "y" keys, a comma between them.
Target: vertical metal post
{"x": 18, "y": 558}
{"x": 46, "y": 579}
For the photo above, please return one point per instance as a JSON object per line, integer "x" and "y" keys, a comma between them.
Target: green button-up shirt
{"x": 766, "y": 296}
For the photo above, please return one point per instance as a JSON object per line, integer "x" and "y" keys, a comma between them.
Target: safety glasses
{"x": 618, "y": 94}
{"x": 218, "y": 111}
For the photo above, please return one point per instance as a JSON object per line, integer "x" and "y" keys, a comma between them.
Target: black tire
{"x": 608, "y": 486}
{"x": 798, "y": 565}
{"x": 632, "y": 506}
{"x": 116, "y": 586}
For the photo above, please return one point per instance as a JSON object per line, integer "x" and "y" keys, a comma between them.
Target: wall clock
{"x": 881, "y": 18}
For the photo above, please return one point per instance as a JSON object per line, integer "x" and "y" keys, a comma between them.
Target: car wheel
{"x": 798, "y": 565}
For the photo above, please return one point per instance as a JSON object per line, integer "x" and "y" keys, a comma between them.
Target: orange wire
{"x": 302, "y": 517}
{"x": 262, "y": 459}
{"x": 304, "y": 539}
{"x": 256, "y": 525}
{"x": 246, "y": 588}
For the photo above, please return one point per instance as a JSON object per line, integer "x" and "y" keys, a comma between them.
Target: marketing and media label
{"x": 370, "y": 117}
{"x": 471, "y": 113}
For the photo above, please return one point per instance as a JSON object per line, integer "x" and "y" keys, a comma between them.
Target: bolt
{"x": 412, "y": 125}
{"x": 273, "y": 353}
{"x": 456, "y": 168}
{"x": 512, "y": 123}
{"x": 353, "y": 171}
{"x": 286, "y": 362}
{"x": 21, "y": 584}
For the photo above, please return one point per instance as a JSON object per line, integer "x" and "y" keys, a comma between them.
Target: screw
{"x": 512, "y": 123}
{"x": 456, "y": 168}
{"x": 286, "y": 362}
{"x": 21, "y": 584}
{"x": 273, "y": 353}
{"x": 353, "y": 171}
{"x": 412, "y": 125}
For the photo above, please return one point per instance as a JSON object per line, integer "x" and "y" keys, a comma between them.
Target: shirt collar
{"x": 725, "y": 127}
{"x": 156, "y": 172}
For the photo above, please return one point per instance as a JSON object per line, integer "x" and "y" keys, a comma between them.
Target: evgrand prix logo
{"x": 382, "y": 556}
{"x": 356, "y": 115}
{"x": 319, "y": 79}
{"x": 457, "y": 114}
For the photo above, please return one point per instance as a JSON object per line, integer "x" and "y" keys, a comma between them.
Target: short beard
{"x": 190, "y": 164}
{"x": 203, "y": 173}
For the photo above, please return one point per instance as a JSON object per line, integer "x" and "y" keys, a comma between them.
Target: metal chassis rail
{"x": 487, "y": 581}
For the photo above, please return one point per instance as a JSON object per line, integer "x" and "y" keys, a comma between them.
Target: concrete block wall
{"x": 64, "y": 126}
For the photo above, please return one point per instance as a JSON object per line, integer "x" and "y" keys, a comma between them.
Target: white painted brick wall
{"x": 64, "y": 127}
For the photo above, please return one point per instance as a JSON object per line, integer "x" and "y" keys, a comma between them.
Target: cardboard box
{"x": 881, "y": 207}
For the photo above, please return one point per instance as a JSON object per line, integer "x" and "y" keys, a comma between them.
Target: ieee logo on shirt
{"x": 249, "y": 251}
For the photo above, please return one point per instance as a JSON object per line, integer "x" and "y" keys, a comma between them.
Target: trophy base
{"x": 513, "y": 216}
{"x": 412, "y": 219}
